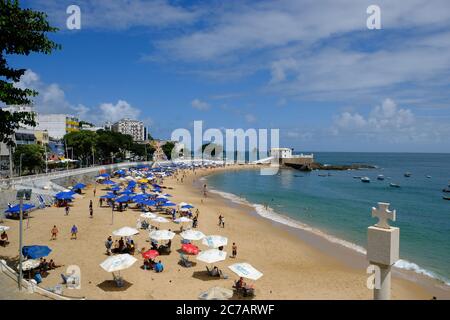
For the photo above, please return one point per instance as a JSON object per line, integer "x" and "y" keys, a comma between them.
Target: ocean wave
{"x": 411, "y": 266}
{"x": 270, "y": 214}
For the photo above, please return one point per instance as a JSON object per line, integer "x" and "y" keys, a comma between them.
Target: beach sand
{"x": 292, "y": 268}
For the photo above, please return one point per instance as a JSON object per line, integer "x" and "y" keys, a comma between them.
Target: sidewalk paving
{"x": 10, "y": 291}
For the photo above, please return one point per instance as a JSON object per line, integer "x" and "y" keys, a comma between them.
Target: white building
{"x": 134, "y": 128}
{"x": 57, "y": 125}
{"x": 23, "y": 108}
{"x": 281, "y": 153}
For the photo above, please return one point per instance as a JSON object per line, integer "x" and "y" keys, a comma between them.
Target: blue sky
{"x": 310, "y": 68}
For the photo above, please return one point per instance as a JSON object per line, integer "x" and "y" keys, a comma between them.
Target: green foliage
{"x": 23, "y": 31}
{"x": 32, "y": 157}
{"x": 167, "y": 149}
{"x": 82, "y": 142}
{"x": 111, "y": 143}
{"x": 144, "y": 151}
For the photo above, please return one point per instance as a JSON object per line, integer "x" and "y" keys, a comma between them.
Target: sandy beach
{"x": 292, "y": 268}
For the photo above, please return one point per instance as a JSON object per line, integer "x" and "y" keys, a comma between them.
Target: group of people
{"x": 150, "y": 264}
{"x": 73, "y": 232}
{"x": 120, "y": 246}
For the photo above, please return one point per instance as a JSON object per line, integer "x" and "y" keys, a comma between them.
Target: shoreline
{"x": 348, "y": 253}
{"x": 292, "y": 269}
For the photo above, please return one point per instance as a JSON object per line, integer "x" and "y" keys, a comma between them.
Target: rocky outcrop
{"x": 319, "y": 166}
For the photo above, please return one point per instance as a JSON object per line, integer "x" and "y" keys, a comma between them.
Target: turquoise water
{"x": 340, "y": 205}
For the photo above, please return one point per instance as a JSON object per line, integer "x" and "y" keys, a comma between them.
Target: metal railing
{"x": 66, "y": 173}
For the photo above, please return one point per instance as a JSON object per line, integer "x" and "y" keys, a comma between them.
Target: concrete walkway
{"x": 10, "y": 291}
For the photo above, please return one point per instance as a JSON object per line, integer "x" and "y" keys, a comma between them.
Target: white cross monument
{"x": 383, "y": 248}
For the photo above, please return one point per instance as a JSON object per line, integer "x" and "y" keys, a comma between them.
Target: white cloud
{"x": 119, "y": 14}
{"x": 114, "y": 112}
{"x": 52, "y": 99}
{"x": 200, "y": 105}
{"x": 386, "y": 122}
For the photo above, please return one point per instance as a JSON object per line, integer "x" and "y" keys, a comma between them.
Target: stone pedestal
{"x": 383, "y": 242}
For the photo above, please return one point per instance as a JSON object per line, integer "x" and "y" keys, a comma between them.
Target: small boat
{"x": 365, "y": 179}
{"x": 429, "y": 177}
{"x": 380, "y": 177}
{"x": 445, "y": 190}
{"x": 407, "y": 174}
{"x": 394, "y": 185}
{"x": 357, "y": 177}
{"x": 446, "y": 198}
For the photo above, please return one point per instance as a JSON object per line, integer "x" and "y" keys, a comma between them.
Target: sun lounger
{"x": 184, "y": 261}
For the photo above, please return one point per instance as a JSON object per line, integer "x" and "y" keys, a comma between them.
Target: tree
{"x": 112, "y": 144}
{"x": 23, "y": 31}
{"x": 210, "y": 149}
{"x": 143, "y": 151}
{"x": 167, "y": 149}
{"x": 82, "y": 142}
{"x": 32, "y": 156}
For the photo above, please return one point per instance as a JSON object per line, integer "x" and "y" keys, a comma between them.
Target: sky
{"x": 311, "y": 69}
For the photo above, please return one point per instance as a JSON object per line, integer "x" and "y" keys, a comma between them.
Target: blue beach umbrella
{"x": 187, "y": 206}
{"x": 79, "y": 186}
{"x": 168, "y": 204}
{"x": 108, "y": 196}
{"x": 149, "y": 203}
{"x": 127, "y": 192}
{"x": 64, "y": 195}
{"x": 108, "y": 182}
{"x": 16, "y": 208}
{"x": 123, "y": 199}
{"x": 36, "y": 252}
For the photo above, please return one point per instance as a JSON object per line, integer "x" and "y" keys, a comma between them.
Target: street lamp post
{"x": 20, "y": 195}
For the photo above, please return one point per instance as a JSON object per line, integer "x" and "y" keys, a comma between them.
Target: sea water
{"x": 339, "y": 206}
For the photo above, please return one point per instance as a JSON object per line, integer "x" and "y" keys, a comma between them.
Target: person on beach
{"x": 73, "y": 232}
{"x": 108, "y": 245}
{"x": 91, "y": 212}
{"x": 54, "y": 233}
{"x": 52, "y": 265}
{"x": 67, "y": 209}
{"x": 220, "y": 220}
{"x": 234, "y": 250}
{"x": 4, "y": 238}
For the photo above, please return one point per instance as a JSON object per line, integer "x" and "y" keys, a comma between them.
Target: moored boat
{"x": 394, "y": 185}
{"x": 365, "y": 179}
{"x": 407, "y": 174}
{"x": 380, "y": 177}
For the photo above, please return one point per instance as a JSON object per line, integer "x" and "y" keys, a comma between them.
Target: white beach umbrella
{"x": 30, "y": 264}
{"x": 4, "y": 228}
{"x": 161, "y": 235}
{"x": 125, "y": 232}
{"x": 184, "y": 209}
{"x": 160, "y": 220}
{"x": 182, "y": 220}
{"x": 216, "y": 293}
{"x": 211, "y": 256}
{"x": 215, "y": 241}
{"x": 148, "y": 215}
{"x": 118, "y": 262}
{"x": 183, "y": 204}
{"x": 246, "y": 270}
{"x": 192, "y": 235}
